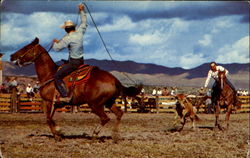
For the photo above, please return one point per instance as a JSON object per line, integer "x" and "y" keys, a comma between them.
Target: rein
{"x": 222, "y": 86}
{"x": 46, "y": 82}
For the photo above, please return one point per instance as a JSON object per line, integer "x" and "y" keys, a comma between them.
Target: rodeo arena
{"x": 152, "y": 125}
{"x": 89, "y": 113}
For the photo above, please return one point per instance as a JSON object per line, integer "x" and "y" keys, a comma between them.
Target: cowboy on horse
{"x": 73, "y": 40}
{"x": 213, "y": 73}
{"x": 96, "y": 87}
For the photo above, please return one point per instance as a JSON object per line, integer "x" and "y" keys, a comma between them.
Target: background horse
{"x": 224, "y": 96}
{"x": 101, "y": 89}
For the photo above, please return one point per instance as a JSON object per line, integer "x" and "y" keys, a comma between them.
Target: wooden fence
{"x": 23, "y": 104}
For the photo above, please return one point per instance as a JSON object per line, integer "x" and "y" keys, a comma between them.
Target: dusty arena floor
{"x": 143, "y": 136}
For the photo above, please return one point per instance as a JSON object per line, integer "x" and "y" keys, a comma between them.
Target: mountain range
{"x": 150, "y": 74}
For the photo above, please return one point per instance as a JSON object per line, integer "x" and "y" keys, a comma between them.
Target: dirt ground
{"x": 142, "y": 136}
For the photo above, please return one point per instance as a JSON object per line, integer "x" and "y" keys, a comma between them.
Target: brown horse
{"x": 223, "y": 95}
{"x": 101, "y": 89}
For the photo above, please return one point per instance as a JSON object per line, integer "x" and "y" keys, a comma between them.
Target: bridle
{"x": 32, "y": 51}
{"x": 221, "y": 78}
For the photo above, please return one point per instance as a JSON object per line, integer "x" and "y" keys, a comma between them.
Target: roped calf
{"x": 185, "y": 109}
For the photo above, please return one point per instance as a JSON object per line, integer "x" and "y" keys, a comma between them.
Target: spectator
{"x": 19, "y": 89}
{"x": 36, "y": 87}
{"x": 209, "y": 92}
{"x": 209, "y": 106}
{"x": 159, "y": 92}
{"x": 165, "y": 92}
{"x": 154, "y": 92}
{"x": 29, "y": 91}
{"x": 173, "y": 91}
{"x": 142, "y": 91}
{"x": 245, "y": 93}
{"x": 201, "y": 91}
{"x": 3, "y": 88}
{"x": 12, "y": 84}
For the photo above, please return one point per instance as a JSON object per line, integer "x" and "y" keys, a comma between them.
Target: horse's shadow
{"x": 179, "y": 129}
{"x": 82, "y": 136}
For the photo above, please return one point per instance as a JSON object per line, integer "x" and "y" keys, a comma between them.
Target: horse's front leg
{"x": 183, "y": 120}
{"x": 229, "y": 110}
{"x": 217, "y": 113}
{"x": 50, "y": 111}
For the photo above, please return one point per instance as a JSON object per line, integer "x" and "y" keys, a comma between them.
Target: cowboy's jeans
{"x": 71, "y": 66}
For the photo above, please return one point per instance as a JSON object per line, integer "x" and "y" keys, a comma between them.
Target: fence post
{"x": 125, "y": 104}
{"x": 157, "y": 104}
{"x": 44, "y": 107}
{"x": 1, "y": 69}
{"x": 14, "y": 100}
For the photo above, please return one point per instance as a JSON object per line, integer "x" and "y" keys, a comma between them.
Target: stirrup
{"x": 58, "y": 98}
{"x": 62, "y": 99}
{"x": 65, "y": 99}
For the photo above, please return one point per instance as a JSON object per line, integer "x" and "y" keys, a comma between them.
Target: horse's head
{"x": 180, "y": 104}
{"x": 180, "y": 97}
{"x": 221, "y": 78}
{"x": 26, "y": 55}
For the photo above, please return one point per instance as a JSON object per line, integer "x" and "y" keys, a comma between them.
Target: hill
{"x": 150, "y": 74}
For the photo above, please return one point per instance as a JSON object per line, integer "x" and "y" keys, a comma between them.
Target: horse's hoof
{"x": 58, "y": 138}
{"x": 116, "y": 137}
{"x": 179, "y": 129}
{"x": 220, "y": 128}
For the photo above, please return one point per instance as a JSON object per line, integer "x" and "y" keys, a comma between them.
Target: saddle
{"x": 79, "y": 76}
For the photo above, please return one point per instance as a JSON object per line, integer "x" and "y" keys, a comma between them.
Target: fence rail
{"x": 162, "y": 104}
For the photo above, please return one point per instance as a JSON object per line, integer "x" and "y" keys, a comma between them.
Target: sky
{"x": 168, "y": 33}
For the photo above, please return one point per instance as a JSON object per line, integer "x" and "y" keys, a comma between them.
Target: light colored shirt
{"x": 29, "y": 89}
{"x": 74, "y": 40}
{"x": 172, "y": 92}
{"x": 159, "y": 92}
{"x": 214, "y": 74}
{"x": 154, "y": 92}
{"x": 13, "y": 83}
{"x": 208, "y": 101}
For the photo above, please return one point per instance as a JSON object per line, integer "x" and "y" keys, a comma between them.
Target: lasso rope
{"x": 104, "y": 44}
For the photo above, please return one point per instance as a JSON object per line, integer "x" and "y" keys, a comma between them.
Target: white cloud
{"x": 12, "y": 35}
{"x": 164, "y": 41}
{"x": 179, "y": 25}
{"x": 119, "y": 24}
{"x": 158, "y": 31}
{"x": 221, "y": 23}
{"x": 191, "y": 60}
{"x": 148, "y": 39}
{"x": 99, "y": 16}
{"x": 235, "y": 53}
{"x": 19, "y": 29}
{"x": 206, "y": 41}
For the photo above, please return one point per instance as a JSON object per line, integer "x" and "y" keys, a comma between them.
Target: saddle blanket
{"x": 79, "y": 76}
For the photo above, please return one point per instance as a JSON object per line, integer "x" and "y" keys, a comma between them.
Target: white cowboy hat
{"x": 67, "y": 23}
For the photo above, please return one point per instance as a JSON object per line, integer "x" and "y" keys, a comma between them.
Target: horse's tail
{"x": 131, "y": 91}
